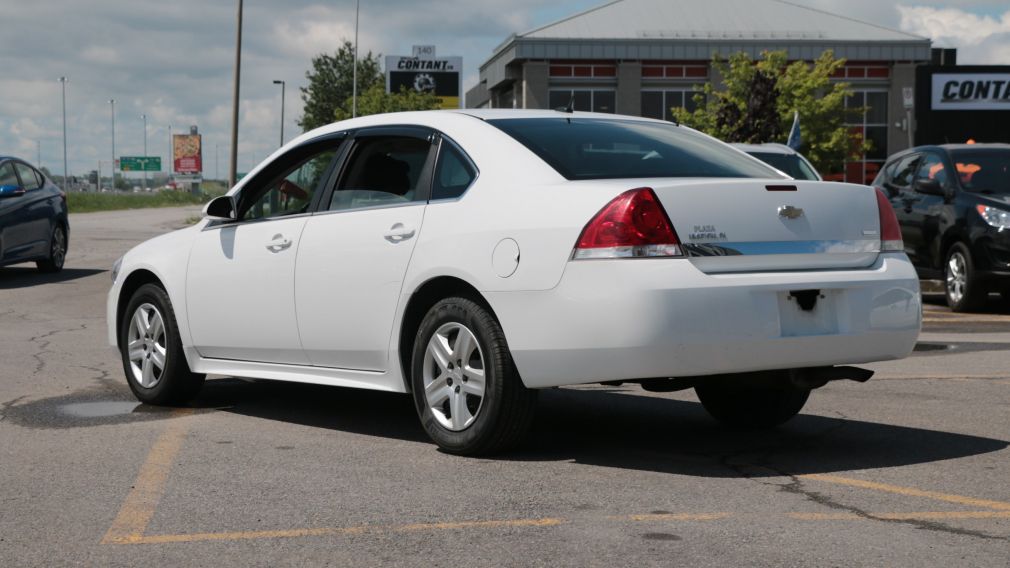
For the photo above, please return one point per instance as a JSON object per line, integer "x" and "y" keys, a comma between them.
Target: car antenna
{"x": 570, "y": 107}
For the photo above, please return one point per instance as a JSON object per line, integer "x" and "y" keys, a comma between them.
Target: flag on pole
{"x": 795, "y": 137}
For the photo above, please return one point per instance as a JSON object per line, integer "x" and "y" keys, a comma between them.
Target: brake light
{"x": 890, "y": 231}
{"x": 633, "y": 225}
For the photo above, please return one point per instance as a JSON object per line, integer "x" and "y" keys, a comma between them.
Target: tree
{"x": 376, "y": 100}
{"x": 757, "y": 101}
{"x": 331, "y": 82}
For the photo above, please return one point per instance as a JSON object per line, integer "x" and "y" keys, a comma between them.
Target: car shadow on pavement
{"x": 620, "y": 428}
{"x": 13, "y": 277}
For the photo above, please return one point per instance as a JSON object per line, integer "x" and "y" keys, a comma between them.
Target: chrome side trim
{"x": 781, "y": 247}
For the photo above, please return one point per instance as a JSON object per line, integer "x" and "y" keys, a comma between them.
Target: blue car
{"x": 33, "y": 217}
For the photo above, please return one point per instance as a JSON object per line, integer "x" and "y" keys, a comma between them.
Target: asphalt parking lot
{"x": 909, "y": 469}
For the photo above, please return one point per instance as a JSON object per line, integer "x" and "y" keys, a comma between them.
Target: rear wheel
{"x": 752, "y": 407}
{"x": 468, "y": 394}
{"x": 57, "y": 252}
{"x": 155, "y": 365}
{"x": 964, "y": 292}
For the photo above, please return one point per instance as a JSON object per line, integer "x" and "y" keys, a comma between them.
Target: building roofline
{"x": 858, "y": 21}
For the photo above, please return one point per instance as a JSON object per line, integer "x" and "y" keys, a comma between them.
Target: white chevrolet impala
{"x": 473, "y": 257}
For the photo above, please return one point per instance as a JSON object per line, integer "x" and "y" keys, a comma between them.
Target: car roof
{"x": 769, "y": 147}
{"x": 949, "y": 147}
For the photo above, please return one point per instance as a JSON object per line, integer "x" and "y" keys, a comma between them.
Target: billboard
{"x": 188, "y": 154}
{"x": 441, "y": 75}
{"x": 971, "y": 91}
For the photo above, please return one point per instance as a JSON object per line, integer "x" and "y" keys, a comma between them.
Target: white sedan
{"x": 473, "y": 257}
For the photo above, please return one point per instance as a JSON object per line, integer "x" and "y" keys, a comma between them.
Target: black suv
{"x": 953, "y": 205}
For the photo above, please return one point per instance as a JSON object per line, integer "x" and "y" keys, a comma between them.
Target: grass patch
{"x": 80, "y": 202}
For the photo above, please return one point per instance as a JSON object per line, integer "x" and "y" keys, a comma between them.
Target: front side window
{"x": 7, "y": 175}
{"x": 290, "y": 191}
{"x": 382, "y": 170}
{"x": 453, "y": 173}
{"x": 28, "y": 178}
{"x": 932, "y": 167}
{"x": 592, "y": 148}
{"x": 903, "y": 172}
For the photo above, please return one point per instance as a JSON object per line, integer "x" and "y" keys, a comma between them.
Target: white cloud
{"x": 952, "y": 26}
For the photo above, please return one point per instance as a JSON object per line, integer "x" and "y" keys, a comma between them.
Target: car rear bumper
{"x": 645, "y": 318}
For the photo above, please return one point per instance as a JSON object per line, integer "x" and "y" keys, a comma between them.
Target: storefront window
{"x": 594, "y": 100}
{"x": 660, "y": 104}
{"x": 870, "y": 125}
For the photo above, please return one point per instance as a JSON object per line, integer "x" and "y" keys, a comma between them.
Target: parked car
{"x": 782, "y": 158}
{"x": 34, "y": 225}
{"x": 473, "y": 257}
{"x": 953, "y": 205}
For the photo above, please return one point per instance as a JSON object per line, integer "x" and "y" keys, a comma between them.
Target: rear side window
{"x": 453, "y": 173}
{"x": 7, "y": 175}
{"x": 28, "y": 177}
{"x": 586, "y": 148}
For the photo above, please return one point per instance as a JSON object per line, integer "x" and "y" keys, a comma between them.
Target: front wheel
{"x": 57, "y": 252}
{"x": 156, "y": 368}
{"x": 468, "y": 394}
{"x": 752, "y": 408}
{"x": 964, "y": 292}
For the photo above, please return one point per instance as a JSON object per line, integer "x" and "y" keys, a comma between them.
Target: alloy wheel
{"x": 454, "y": 379}
{"x": 58, "y": 251}
{"x": 146, "y": 345}
{"x": 957, "y": 277}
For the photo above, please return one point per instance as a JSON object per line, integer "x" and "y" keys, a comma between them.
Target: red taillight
{"x": 633, "y": 225}
{"x": 890, "y": 231}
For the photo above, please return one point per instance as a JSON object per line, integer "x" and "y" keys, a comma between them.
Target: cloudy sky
{"x": 172, "y": 59}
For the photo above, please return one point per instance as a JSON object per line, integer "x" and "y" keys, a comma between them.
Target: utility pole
{"x": 171, "y": 155}
{"x": 38, "y": 152}
{"x": 63, "y": 81}
{"x": 112, "y": 108}
{"x": 354, "y": 72}
{"x": 233, "y": 169}
{"x": 281, "y": 83}
{"x": 144, "y": 116}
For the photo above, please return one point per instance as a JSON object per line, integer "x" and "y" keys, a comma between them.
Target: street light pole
{"x": 63, "y": 82}
{"x": 38, "y": 152}
{"x": 144, "y": 116}
{"x": 281, "y": 83}
{"x": 233, "y": 169}
{"x": 171, "y": 155}
{"x": 354, "y": 72}
{"x": 112, "y": 165}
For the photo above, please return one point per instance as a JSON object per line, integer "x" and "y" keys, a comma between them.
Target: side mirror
{"x": 221, "y": 208}
{"x": 11, "y": 190}
{"x": 929, "y": 187}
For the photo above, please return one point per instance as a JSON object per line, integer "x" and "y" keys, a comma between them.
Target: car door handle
{"x": 278, "y": 243}
{"x": 398, "y": 233}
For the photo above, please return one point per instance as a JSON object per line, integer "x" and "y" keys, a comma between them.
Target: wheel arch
{"x": 424, "y": 297}
{"x": 131, "y": 284}
{"x": 949, "y": 238}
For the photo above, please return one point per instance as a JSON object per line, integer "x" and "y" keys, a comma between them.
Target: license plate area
{"x": 808, "y": 312}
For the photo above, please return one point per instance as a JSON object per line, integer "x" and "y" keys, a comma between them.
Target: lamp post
{"x": 38, "y": 152}
{"x": 144, "y": 116}
{"x": 112, "y": 110}
{"x": 233, "y": 169}
{"x": 281, "y": 83}
{"x": 171, "y": 156}
{"x": 354, "y": 71}
{"x": 63, "y": 82}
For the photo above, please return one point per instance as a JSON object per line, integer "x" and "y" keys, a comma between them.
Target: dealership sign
{"x": 443, "y": 76}
{"x": 971, "y": 91}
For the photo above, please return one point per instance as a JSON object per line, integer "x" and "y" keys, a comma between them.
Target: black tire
{"x": 752, "y": 408}
{"x": 57, "y": 251}
{"x": 969, "y": 295}
{"x": 176, "y": 384}
{"x": 505, "y": 412}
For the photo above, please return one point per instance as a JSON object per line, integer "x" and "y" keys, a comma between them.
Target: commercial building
{"x": 642, "y": 57}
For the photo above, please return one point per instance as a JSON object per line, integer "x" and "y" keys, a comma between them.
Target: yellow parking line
{"x": 337, "y": 531}
{"x": 136, "y": 512}
{"x": 914, "y": 516}
{"x": 672, "y": 517}
{"x": 909, "y": 491}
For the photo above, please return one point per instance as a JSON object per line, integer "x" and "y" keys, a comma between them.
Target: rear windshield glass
{"x": 983, "y": 171}
{"x": 788, "y": 163}
{"x": 588, "y": 148}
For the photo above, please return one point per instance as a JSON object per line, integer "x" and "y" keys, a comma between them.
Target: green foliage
{"x": 757, "y": 101}
{"x": 80, "y": 202}
{"x": 330, "y": 84}
{"x": 376, "y": 100}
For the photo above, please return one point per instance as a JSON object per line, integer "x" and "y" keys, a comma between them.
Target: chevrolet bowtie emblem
{"x": 790, "y": 212}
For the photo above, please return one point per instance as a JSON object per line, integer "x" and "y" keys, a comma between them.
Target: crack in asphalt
{"x": 5, "y": 407}
{"x": 40, "y": 362}
{"x": 762, "y": 456}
